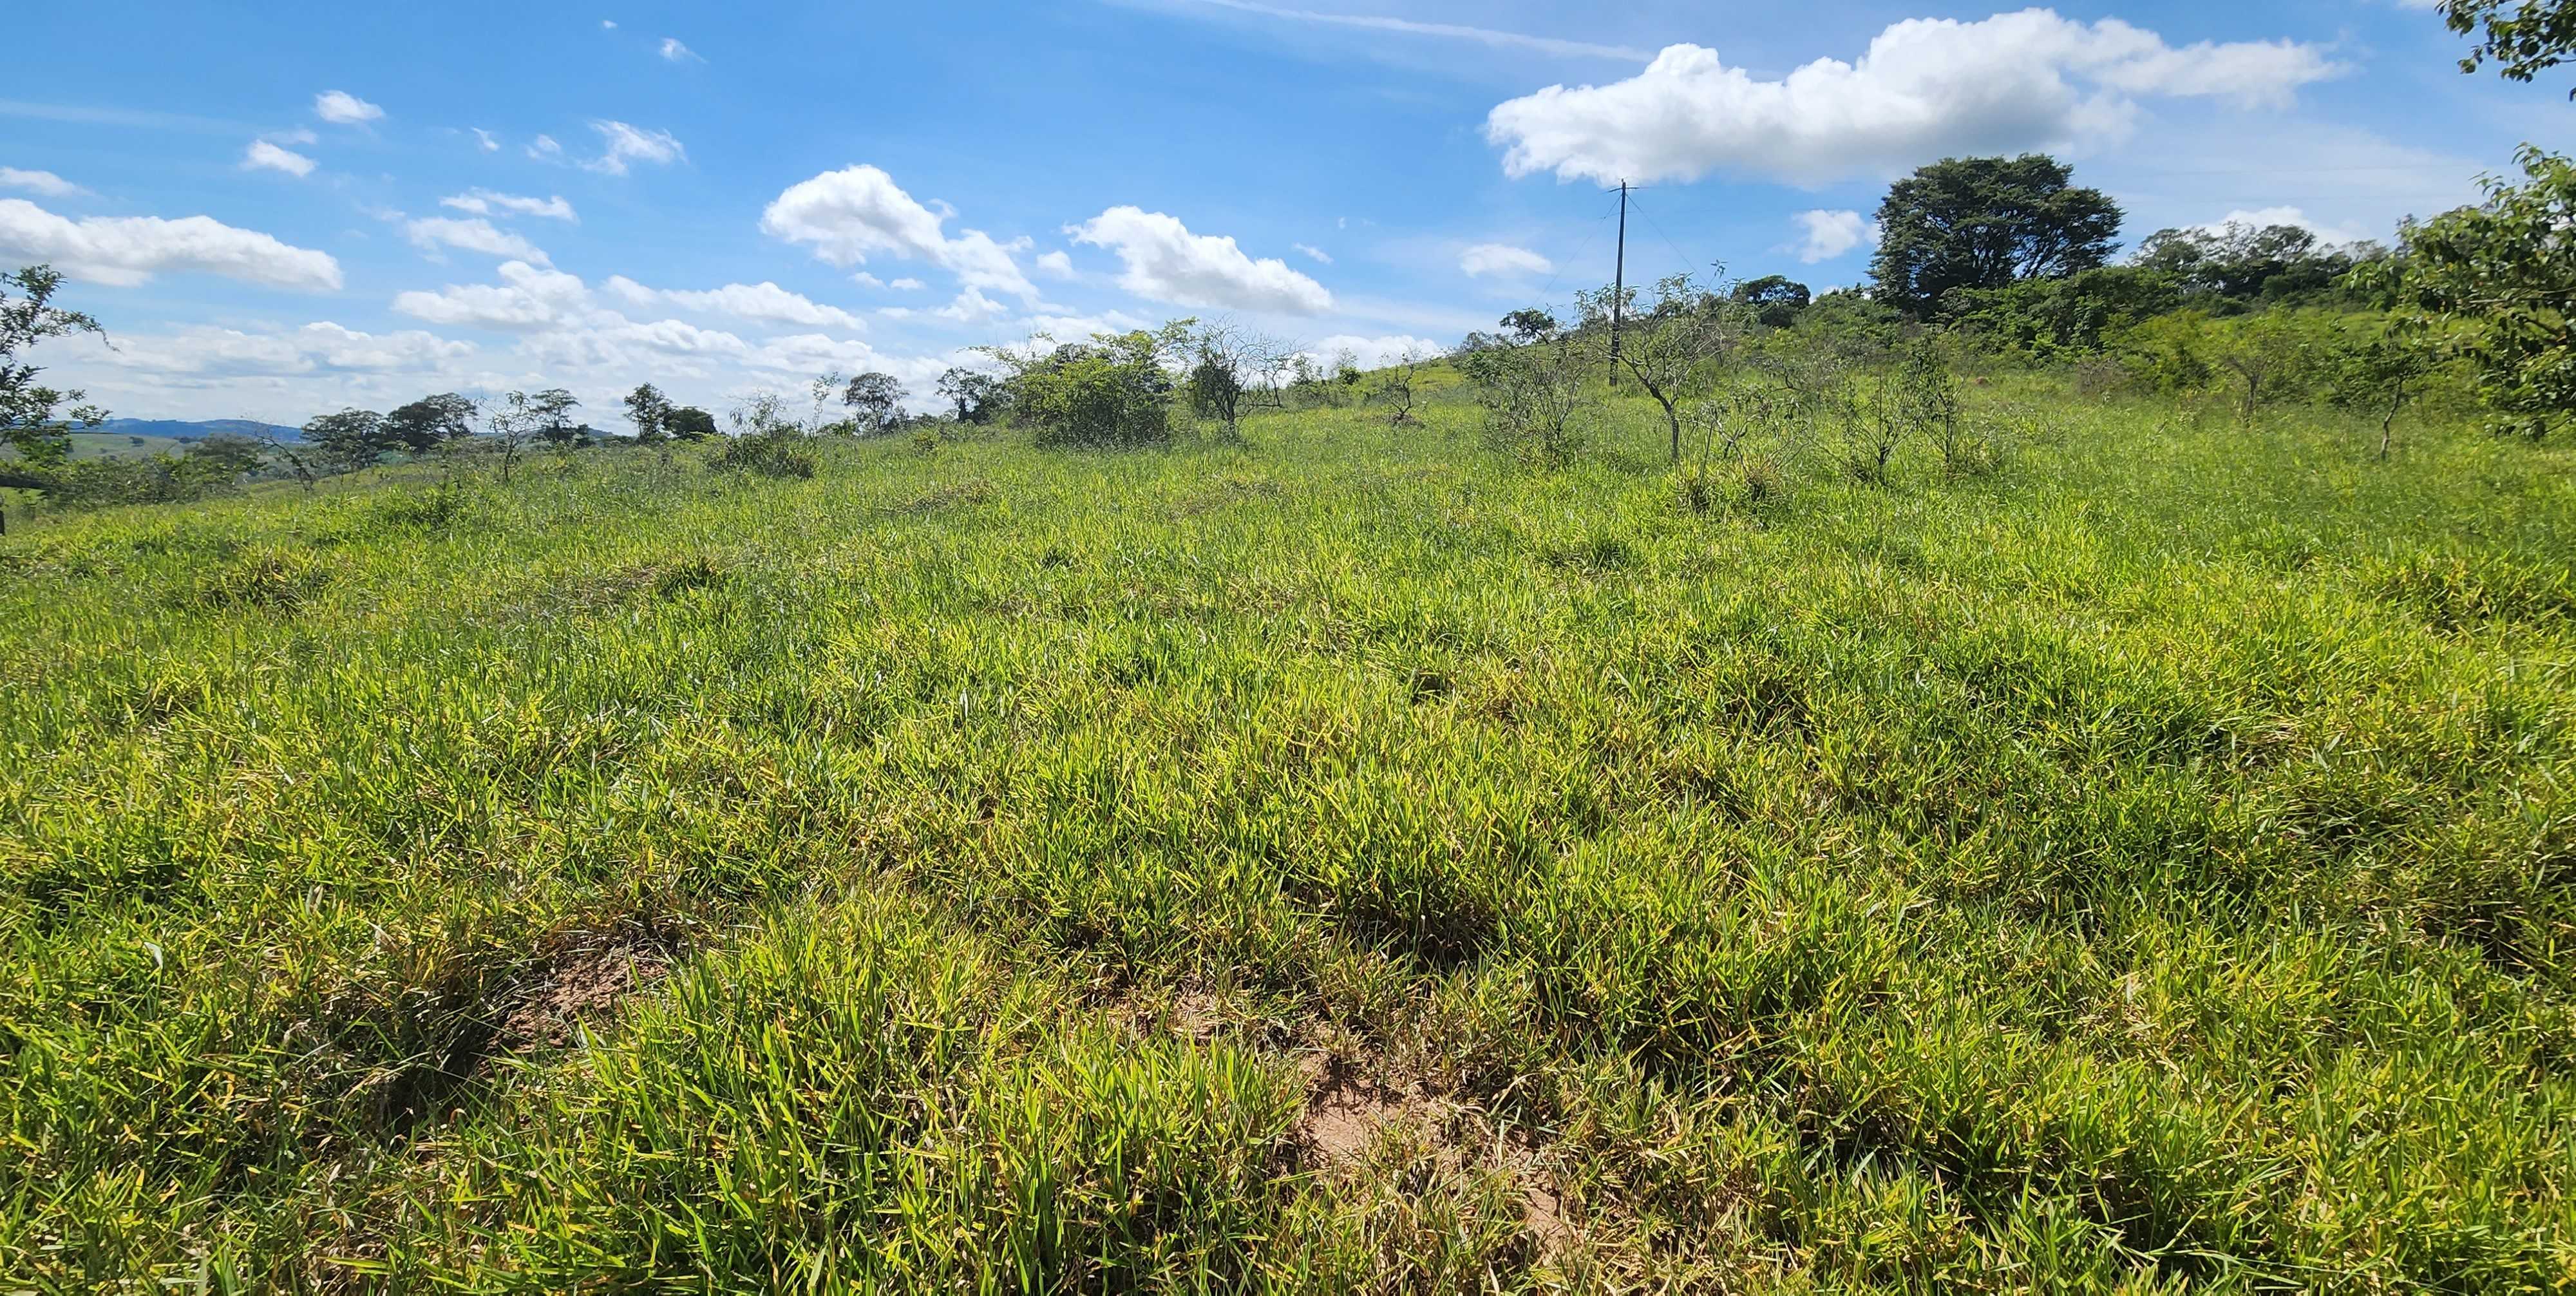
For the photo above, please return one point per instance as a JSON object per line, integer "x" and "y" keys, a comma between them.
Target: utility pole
{"x": 1619, "y": 285}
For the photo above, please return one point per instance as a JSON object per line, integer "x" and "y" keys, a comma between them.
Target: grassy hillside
{"x": 122, "y": 445}
{"x": 1345, "y": 861}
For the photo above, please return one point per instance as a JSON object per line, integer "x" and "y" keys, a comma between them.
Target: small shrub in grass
{"x": 1869, "y": 431}
{"x": 1761, "y": 478}
{"x": 436, "y": 509}
{"x": 278, "y": 579}
{"x": 2452, "y": 591}
{"x": 1699, "y": 491}
{"x": 775, "y": 452}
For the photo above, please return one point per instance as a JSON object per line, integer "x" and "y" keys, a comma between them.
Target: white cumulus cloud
{"x": 1924, "y": 89}
{"x": 763, "y": 301}
{"x": 1503, "y": 259}
{"x": 128, "y": 250}
{"x": 1166, "y": 262}
{"x": 484, "y": 202}
{"x": 2266, "y": 217}
{"x": 1824, "y": 235}
{"x": 971, "y": 306}
{"x": 344, "y": 108}
{"x": 477, "y": 235}
{"x": 526, "y": 299}
{"x": 264, "y": 156}
{"x": 1057, "y": 263}
{"x": 1374, "y": 352}
{"x": 630, "y": 144}
{"x": 315, "y": 348}
{"x": 857, "y": 212}
{"x": 40, "y": 182}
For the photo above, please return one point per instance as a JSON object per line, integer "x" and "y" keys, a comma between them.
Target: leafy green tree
{"x": 1530, "y": 324}
{"x": 875, "y": 401}
{"x": 2245, "y": 263}
{"x": 976, "y": 395}
{"x": 689, "y": 423}
{"x": 2048, "y": 319}
{"x": 1533, "y": 398}
{"x": 352, "y": 438}
{"x": 29, "y": 423}
{"x": 2522, "y": 37}
{"x": 225, "y": 456}
{"x": 430, "y": 423}
{"x": 1774, "y": 299}
{"x": 553, "y": 409}
{"x": 2495, "y": 284}
{"x": 1851, "y": 321}
{"x": 1113, "y": 392}
{"x": 650, "y": 412}
{"x": 1972, "y": 223}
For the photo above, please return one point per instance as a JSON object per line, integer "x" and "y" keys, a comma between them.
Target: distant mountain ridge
{"x": 180, "y": 430}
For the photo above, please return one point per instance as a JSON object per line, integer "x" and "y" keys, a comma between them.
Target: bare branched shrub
{"x": 1231, "y": 369}
{"x": 1871, "y": 427}
{"x": 1928, "y": 392}
{"x": 1533, "y": 399}
{"x": 1687, "y": 330}
{"x": 1394, "y": 388}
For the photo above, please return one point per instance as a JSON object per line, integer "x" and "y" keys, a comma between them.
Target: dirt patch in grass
{"x": 1353, "y": 1106}
{"x": 584, "y": 981}
{"x": 1227, "y": 491}
{"x": 938, "y": 499}
{"x": 1344, "y": 1114}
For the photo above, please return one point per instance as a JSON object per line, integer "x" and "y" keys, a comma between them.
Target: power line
{"x": 1579, "y": 249}
{"x": 1668, "y": 238}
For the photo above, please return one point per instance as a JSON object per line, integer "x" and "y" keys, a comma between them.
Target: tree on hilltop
{"x": 1983, "y": 223}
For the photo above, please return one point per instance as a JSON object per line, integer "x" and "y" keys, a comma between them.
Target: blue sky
{"x": 287, "y": 208}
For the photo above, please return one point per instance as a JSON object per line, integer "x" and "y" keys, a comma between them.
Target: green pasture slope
{"x": 1345, "y": 862}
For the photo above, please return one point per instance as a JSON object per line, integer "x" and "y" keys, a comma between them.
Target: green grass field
{"x": 1343, "y": 862}
{"x": 117, "y": 445}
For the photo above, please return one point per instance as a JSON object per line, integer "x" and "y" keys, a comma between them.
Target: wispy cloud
{"x": 140, "y": 119}
{"x": 676, "y": 52}
{"x": 1448, "y": 31}
{"x": 43, "y": 182}
{"x": 631, "y": 144}
{"x": 264, "y": 156}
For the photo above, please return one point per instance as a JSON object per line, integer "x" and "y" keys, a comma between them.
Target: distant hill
{"x": 178, "y": 430}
